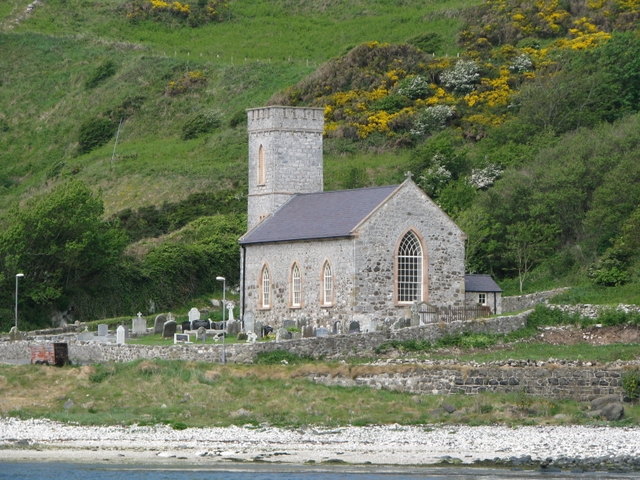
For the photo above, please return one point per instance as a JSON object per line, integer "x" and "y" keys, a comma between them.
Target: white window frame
{"x": 296, "y": 286}
{"x": 265, "y": 288}
{"x": 410, "y": 269}
{"x": 327, "y": 284}
{"x": 482, "y": 298}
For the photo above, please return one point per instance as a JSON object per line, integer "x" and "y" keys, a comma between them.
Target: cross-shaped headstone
{"x": 139, "y": 314}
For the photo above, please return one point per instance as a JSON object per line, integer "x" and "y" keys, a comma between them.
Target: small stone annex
{"x": 331, "y": 258}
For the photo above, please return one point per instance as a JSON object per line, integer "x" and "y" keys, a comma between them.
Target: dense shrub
{"x": 102, "y": 72}
{"x": 203, "y": 122}
{"x": 94, "y": 133}
{"x": 429, "y": 42}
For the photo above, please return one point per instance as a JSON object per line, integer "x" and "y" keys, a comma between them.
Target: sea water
{"x": 75, "y": 471}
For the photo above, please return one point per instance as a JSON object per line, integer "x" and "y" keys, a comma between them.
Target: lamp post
{"x": 18, "y": 275}
{"x": 224, "y": 307}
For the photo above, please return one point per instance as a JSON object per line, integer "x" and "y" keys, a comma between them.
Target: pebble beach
{"x": 566, "y": 447}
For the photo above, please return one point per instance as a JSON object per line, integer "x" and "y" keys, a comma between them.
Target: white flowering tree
{"x": 414, "y": 87}
{"x": 432, "y": 119}
{"x": 463, "y": 77}
{"x": 482, "y": 178}
{"x": 434, "y": 178}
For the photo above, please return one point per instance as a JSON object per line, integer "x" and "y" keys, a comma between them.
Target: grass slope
{"x": 264, "y": 47}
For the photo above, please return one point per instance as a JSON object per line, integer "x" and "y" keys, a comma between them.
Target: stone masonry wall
{"x": 291, "y": 139}
{"x": 581, "y": 382}
{"x": 549, "y": 381}
{"x": 443, "y": 241}
{"x": 311, "y": 257}
{"x": 331, "y": 347}
{"x": 522, "y": 302}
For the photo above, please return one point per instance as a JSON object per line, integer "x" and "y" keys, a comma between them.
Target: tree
{"x": 59, "y": 241}
{"x": 528, "y": 243}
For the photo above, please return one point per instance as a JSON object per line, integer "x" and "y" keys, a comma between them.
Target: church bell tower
{"x": 285, "y": 157}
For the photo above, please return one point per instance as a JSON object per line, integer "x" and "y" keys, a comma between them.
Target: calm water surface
{"x": 70, "y": 471}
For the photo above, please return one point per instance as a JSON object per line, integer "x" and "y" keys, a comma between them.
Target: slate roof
{"x": 307, "y": 216}
{"x": 474, "y": 282}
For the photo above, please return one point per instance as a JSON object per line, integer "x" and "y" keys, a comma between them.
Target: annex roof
{"x": 307, "y": 216}
{"x": 475, "y": 282}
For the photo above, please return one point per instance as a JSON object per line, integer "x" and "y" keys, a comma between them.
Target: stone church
{"x": 338, "y": 256}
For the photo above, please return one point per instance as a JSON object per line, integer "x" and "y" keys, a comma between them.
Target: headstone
{"x": 201, "y": 334}
{"x": 322, "y": 332}
{"x": 186, "y": 326}
{"x": 103, "y": 330}
{"x": 296, "y": 335}
{"x": 354, "y": 327}
{"x": 14, "y": 334}
{"x": 307, "y": 331}
{"x": 282, "y": 334}
{"x": 373, "y": 325}
{"x": 139, "y": 325}
{"x": 242, "y": 336}
{"x": 85, "y": 336}
{"x": 194, "y": 314}
{"x": 159, "y": 324}
{"x": 337, "y": 327}
{"x": 249, "y": 320}
{"x": 180, "y": 338}
{"x": 169, "y": 329}
{"x": 415, "y": 315}
{"x": 230, "y": 306}
{"x": 251, "y": 337}
{"x": 120, "y": 335}
{"x": 152, "y": 306}
{"x": 215, "y": 303}
{"x": 288, "y": 323}
{"x": 233, "y": 327}
{"x": 127, "y": 335}
{"x": 258, "y": 329}
{"x": 196, "y": 324}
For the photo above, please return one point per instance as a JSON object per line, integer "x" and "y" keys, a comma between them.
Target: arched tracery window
{"x": 409, "y": 269}
{"x": 265, "y": 288}
{"x": 296, "y": 286}
{"x": 327, "y": 284}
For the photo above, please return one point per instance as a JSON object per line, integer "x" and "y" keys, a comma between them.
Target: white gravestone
{"x": 120, "y": 334}
{"x": 230, "y": 306}
{"x": 194, "y": 314}
{"x": 103, "y": 330}
{"x": 249, "y": 322}
{"x": 139, "y": 325}
{"x": 251, "y": 337}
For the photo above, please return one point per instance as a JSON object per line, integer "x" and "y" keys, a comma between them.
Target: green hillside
{"x": 520, "y": 120}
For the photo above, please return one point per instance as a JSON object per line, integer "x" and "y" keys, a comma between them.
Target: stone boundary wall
{"x": 524, "y": 302}
{"x": 549, "y": 381}
{"x": 331, "y": 348}
{"x": 593, "y": 311}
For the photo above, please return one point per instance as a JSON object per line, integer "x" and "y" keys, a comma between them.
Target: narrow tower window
{"x": 261, "y": 166}
{"x": 409, "y": 279}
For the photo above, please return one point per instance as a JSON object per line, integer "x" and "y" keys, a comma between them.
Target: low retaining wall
{"x": 593, "y": 311}
{"x": 331, "y": 347}
{"x": 522, "y": 302}
{"x": 549, "y": 381}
